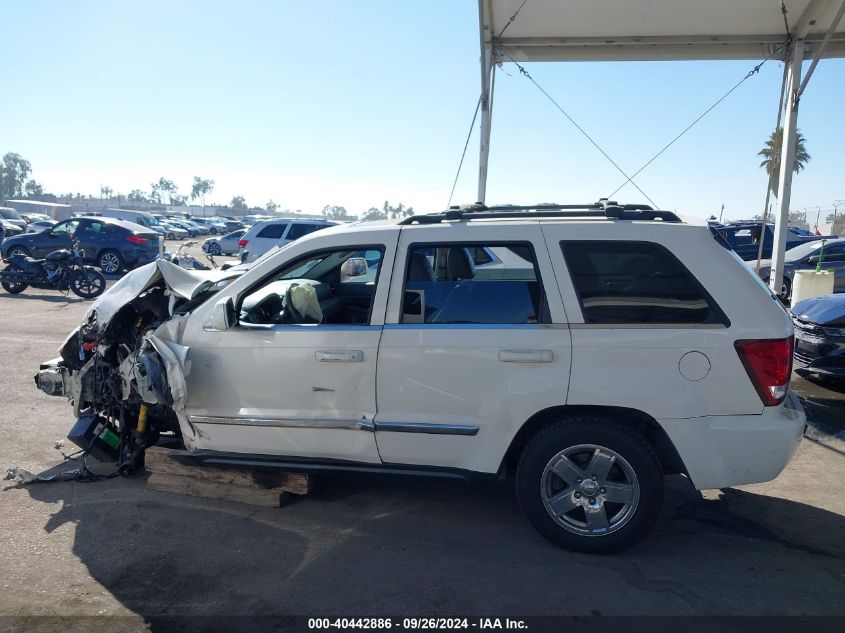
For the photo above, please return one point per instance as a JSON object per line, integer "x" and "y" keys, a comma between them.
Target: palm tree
{"x": 771, "y": 157}
{"x": 771, "y": 163}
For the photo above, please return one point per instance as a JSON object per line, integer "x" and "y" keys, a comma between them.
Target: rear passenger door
{"x": 468, "y": 355}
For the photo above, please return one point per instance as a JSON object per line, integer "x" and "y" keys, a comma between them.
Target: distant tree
{"x": 334, "y": 212}
{"x": 798, "y": 219}
{"x": 837, "y": 222}
{"x": 14, "y": 171}
{"x": 374, "y": 214}
{"x": 178, "y": 200}
{"x": 398, "y": 212}
{"x": 771, "y": 157}
{"x": 238, "y": 202}
{"x": 757, "y": 216}
{"x": 136, "y": 195}
{"x": 201, "y": 188}
{"x": 271, "y": 206}
{"x": 105, "y": 192}
{"x": 32, "y": 189}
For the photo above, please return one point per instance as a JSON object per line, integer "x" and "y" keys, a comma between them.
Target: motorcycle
{"x": 186, "y": 261}
{"x": 61, "y": 270}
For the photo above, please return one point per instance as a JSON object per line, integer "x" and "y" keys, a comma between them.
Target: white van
{"x": 138, "y": 217}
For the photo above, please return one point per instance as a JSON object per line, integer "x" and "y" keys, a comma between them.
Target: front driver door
{"x": 59, "y": 237}
{"x": 303, "y": 384}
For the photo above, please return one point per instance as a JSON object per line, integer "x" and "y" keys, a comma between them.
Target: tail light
{"x": 769, "y": 365}
{"x": 243, "y": 243}
{"x": 136, "y": 239}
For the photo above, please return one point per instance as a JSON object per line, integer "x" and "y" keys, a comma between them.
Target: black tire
{"x": 17, "y": 250}
{"x": 626, "y": 523}
{"x": 213, "y": 231}
{"x": 111, "y": 262}
{"x": 214, "y": 249}
{"x": 171, "y": 236}
{"x": 786, "y": 289}
{"x": 13, "y": 288}
{"x": 93, "y": 288}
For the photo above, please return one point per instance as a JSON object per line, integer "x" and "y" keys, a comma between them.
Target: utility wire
{"x": 524, "y": 72}
{"x": 748, "y": 75}
{"x": 463, "y": 155}
{"x": 784, "y": 11}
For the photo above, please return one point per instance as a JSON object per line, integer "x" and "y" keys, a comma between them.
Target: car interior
{"x": 445, "y": 284}
{"x": 335, "y": 287}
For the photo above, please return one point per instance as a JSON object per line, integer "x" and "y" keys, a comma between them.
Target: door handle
{"x": 526, "y": 355}
{"x": 343, "y": 356}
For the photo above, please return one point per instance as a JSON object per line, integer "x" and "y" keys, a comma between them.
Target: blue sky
{"x": 353, "y": 103}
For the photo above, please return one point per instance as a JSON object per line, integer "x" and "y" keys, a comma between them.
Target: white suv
{"x": 268, "y": 234}
{"x": 587, "y": 351}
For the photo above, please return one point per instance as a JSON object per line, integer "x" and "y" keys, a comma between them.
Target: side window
{"x": 333, "y": 287}
{"x": 834, "y": 254}
{"x": 273, "y": 231}
{"x": 636, "y": 282}
{"x": 91, "y": 228}
{"x": 443, "y": 285}
{"x": 298, "y": 230}
{"x": 66, "y": 227}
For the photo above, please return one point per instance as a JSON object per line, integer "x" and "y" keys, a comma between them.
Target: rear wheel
{"x": 93, "y": 287}
{"x": 111, "y": 262}
{"x": 590, "y": 485}
{"x": 13, "y": 287}
{"x": 214, "y": 249}
{"x": 171, "y": 236}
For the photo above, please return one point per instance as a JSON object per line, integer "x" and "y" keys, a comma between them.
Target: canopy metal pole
{"x": 486, "y": 120}
{"x": 787, "y": 160}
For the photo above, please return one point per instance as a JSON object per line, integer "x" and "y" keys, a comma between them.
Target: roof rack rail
{"x": 604, "y": 208}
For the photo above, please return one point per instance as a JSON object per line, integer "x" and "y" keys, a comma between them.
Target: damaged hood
{"x": 181, "y": 283}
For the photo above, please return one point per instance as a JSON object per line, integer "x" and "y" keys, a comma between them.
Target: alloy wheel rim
{"x": 109, "y": 263}
{"x": 590, "y": 490}
{"x": 17, "y": 250}
{"x": 89, "y": 287}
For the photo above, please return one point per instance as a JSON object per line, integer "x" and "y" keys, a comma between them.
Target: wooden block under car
{"x": 172, "y": 474}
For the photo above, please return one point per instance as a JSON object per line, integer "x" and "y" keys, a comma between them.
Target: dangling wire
{"x": 464, "y": 153}
{"x": 525, "y": 73}
{"x": 748, "y": 75}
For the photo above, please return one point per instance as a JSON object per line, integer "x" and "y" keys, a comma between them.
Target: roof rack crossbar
{"x": 601, "y": 209}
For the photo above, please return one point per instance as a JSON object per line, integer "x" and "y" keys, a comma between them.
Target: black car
{"x": 820, "y": 336}
{"x": 744, "y": 238}
{"x": 113, "y": 245}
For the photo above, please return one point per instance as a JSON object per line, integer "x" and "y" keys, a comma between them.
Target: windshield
{"x": 803, "y": 250}
{"x": 152, "y": 220}
{"x": 10, "y": 214}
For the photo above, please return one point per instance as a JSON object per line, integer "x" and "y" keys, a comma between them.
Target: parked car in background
{"x": 113, "y": 245}
{"x": 11, "y": 216}
{"x": 267, "y": 234}
{"x": 10, "y": 229}
{"x": 225, "y": 245}
{"x": 235, "y": 225}
{"x": 173, "y": 232}
{"x": 212, "y": 226}
{"x": 39, "y": 225}
{"x": 806, "y": 257}
{"x": 744, "y": 238}
{"x": 137, "y": 217}
{"x": 36, "y": 217}
{"x": 820, "y": 336}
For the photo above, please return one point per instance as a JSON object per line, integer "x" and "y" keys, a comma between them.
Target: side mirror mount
{"x": 222, "y": 316}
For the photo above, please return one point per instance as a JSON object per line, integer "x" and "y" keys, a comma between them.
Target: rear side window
{"x": 298, "y": 230}
{"x": 444, "y": 285}
{"x": 273, "y": 231}
{"x": 636, "y": 282}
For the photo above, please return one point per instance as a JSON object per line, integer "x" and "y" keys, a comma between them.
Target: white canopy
{"x": 631, "y": 30}
{"x": 621, "y": 30}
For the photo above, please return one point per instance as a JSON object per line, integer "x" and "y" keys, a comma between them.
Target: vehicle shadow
{"x": 397, "y": 545}
{"x": 58, "y": 298}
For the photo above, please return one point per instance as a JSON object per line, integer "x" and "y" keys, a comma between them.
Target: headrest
{"x": 420, "y": 268}
{"x": 458, "y": 264}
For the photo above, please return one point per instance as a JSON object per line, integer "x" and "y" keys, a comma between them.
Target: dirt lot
{"x": 390, "y": 545}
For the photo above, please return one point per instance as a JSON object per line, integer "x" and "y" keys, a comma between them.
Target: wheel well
{"x": 644, "y": 423}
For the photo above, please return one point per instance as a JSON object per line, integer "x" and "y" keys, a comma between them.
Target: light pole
{"x": 835, "y": 205}
{"x": 818, "y": 215}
